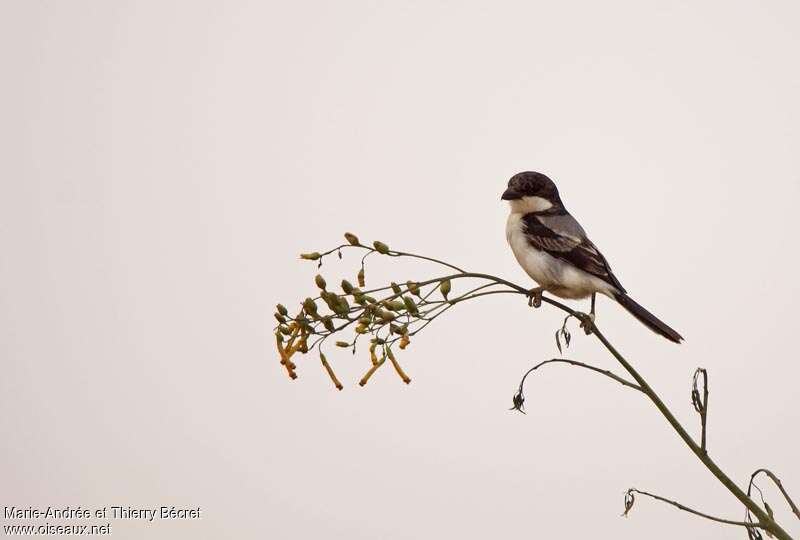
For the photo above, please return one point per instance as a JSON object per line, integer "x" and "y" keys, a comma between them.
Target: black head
{"x": 531, "y": 184}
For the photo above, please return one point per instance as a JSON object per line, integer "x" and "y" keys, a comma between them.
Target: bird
{"x": 554, "y": 250}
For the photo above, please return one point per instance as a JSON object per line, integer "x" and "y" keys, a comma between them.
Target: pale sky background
{"x": 165, "y": 162}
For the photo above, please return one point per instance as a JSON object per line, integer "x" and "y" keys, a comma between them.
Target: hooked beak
{"x": 510, "y": 195}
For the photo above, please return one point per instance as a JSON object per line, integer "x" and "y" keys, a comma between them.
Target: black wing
{"x": 564, "y": 239}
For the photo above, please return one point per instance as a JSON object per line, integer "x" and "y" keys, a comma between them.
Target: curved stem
{"x": 696, "y": 512}
{"x": 778, "y": 483}
{"x": 579, "y": 364}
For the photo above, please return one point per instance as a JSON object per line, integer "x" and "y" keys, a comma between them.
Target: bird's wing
{"x": 562, "y": 237}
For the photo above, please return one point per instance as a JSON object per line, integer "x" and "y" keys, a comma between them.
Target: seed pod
{"x": 413, "y": 287}
{"x": 330, "y": 299}
{"x": 370, "y": 299}
{"x": 280, "y": 318}
{"x": 365, "y": 321}
{"x": 310, "y": 307}
{"x": 361, "y": 329}
{"x": 320, "y": 281}
{"x": 342, "y": 306}
{"x": 327, "y": 322}
{"x": 279, "y": 337}
{"x": 331, "y": 374}
{"x": 444, "y": 288}
{"x": 342, "y": 344}
{"x": 394, "y": 305}
{"x": 404, "y": 341}
{"x": 282, "y": 309}
{"x": 396, "y": 329}
{"x": 380, "y": 247}
{"x": 410, "y": 305}
{"x": 285, "y": 330}
{"x": 396, "y": 288}
{"x": 347, "y": 287}
{"x": 351, "y": 238}
{"x": 361, "y": 281}
{"x": 310, "y": 256}
{"x": 387, "y": 316}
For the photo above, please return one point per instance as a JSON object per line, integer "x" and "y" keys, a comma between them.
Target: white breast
{"x": 555, "y": 275}
{"x": 539, "y": 265}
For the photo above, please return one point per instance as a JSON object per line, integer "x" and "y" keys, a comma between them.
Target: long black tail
{"x": 647, "y": 318}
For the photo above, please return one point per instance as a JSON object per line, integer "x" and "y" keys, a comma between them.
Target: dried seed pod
{"x": 328, "y": 368}
{"x": 310, "y": 307}
{"x": 396, "y": 288}
{"x": 342, "y": 344}
{"x": 327, "y": 322}
{"x": 370, "y": 299}
{"x": 351, "y": 239}
{"x": 444, "y": 288}
{"x": 280, "y": 318}
{"x": 279, "y": 337}
{"x": 310, "y": 256}
{"x": 394, "y": 305}
{"x": 410, "y": 305}
{"x": 361, "y": 280}
{"x": 387, "y": 316}
{"x": 320, "y": 281}
{"x": 342, "y": 307}
{"x": 330, "y": 299}
{"x": 285, "y": 330}
{"x": 413, "y": 288}
{"x": 380, "y": 247}
{"x": 404, "y": 341}
{"x": 282, "y": 310}
{"x": 347, "y": 287}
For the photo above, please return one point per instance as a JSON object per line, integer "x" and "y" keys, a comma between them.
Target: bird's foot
{"x": 535, "y": 297}
{"x": 587, "y": 322}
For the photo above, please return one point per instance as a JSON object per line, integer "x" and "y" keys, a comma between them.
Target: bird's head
{"x": 531, "y": 192}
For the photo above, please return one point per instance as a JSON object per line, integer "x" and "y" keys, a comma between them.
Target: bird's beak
{"x": 510, "y": 195}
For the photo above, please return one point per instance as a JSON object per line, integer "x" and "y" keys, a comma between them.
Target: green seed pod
{"x": 310, "y": 306}
{"x": 396, "y": 288}
{"x": 361, "y": 329}
{"x": 351, "y": 238}
{"x": 342, "y": 344}
{"x": 410, "y": 305}
{"x": 370, "y": 299}
{"x": 281, "y": 319}
{"x": 396, "y": 329}
{"x": 361, "y": 281}
{"x": 395, "y": 305}
{"x": 413, "y": 287}
{"x": 327, "y": 322}
{"x": 365, "y": 321}
{"x": 444, "y": 287}
{"x": 341, "y": 307}
{"x": 387, "y": 316}
{"x": 320, "y": 281}
{"x": 380, "y": 247}
{"x": 282, "y": 310}
{"x": 310, "y": 256}
{"x": 347, "y": 287}
{"x": 330, "y": 299}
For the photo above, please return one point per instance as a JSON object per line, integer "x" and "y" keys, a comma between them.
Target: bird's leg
{"x": 588, "y": 323}
{"x": 535, "y": 296}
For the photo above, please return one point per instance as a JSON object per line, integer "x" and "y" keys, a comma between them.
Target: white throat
{"x": 526, "y": 205}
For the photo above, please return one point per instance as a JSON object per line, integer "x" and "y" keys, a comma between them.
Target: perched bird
{"x": 552, "y": 247}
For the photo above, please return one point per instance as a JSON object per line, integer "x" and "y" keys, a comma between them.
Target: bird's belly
{"x": 555, "y": 275}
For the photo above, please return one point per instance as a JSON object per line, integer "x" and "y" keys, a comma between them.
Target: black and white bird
{"x": 552, "y": 247}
